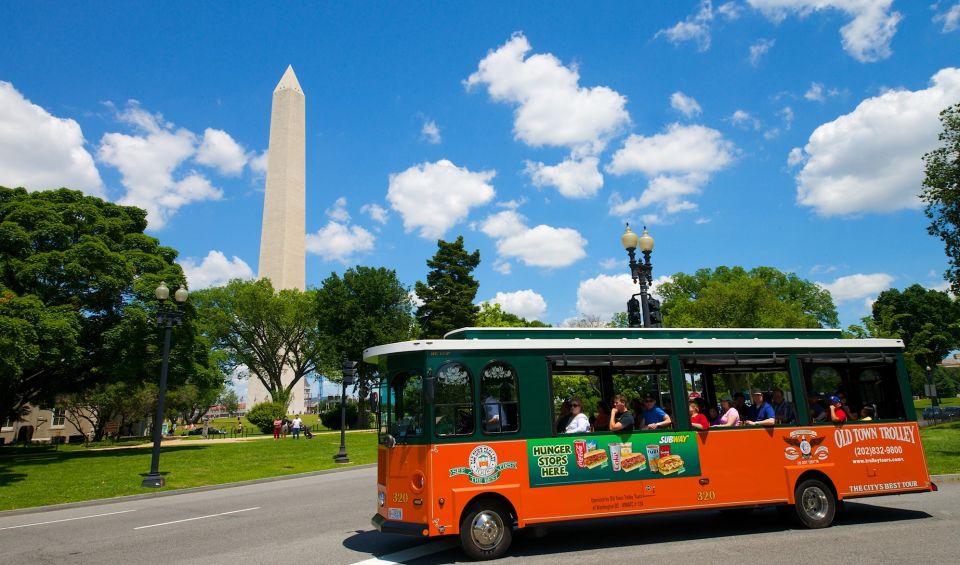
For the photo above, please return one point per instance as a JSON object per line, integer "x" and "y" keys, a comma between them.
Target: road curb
{"x": 952, "y": 478}
{"x": 146, "y": 495}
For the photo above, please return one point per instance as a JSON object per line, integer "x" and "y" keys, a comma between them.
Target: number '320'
{"x": 400, "y": 497}
{"x": 706, "y": 495}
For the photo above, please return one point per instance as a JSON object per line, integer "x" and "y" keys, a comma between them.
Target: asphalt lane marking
{"x": 66, "y": 520}
{"x": 409, "y": 554}
{"x": 197, "y": 518}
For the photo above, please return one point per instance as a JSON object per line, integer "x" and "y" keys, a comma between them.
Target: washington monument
{"x": 282, "y": 258}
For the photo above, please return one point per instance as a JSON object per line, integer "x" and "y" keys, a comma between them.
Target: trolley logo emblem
{"x": 482, "y": 466}
{"x": 805, "y": 444}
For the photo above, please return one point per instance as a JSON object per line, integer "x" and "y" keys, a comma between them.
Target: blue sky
{"x": 764, "y": 132}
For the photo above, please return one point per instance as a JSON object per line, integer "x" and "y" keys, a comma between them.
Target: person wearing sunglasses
{"x": 579, "y": 423}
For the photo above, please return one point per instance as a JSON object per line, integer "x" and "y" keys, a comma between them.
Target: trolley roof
{"x": 641, "y": 340}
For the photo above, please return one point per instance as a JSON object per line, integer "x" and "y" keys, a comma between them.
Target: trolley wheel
{"x": 486, "y": 530}
{"x": 816, "y": 506}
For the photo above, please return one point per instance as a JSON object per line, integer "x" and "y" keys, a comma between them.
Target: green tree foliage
{"x": 251, "y": 325}
{"x": 449, "y": 291}
{"x": 230, "y": 401}
{"x": 941, "y": 192}
{"x": 728, "y": 297}
{"x": 77, "y": 276}
{"x": 493, "y": 316}
{"x": 366, "y": 307}
{"x": 262, "y": 415}
{"x": 928, "y": 322}
{"x": 331, "y": 418}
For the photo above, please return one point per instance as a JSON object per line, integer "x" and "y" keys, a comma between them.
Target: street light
{"x": 349, "y": 377}
{"x": 932, "y": 388}
{"x": 641, "y": 273}
{"x": 167, "y": 317}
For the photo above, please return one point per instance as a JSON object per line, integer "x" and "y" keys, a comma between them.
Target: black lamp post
{"x": 349, "y": 377}
{"x": 932, "y": 390}
{"x": 167, "y": 317}
{"x": 642, "y": 273}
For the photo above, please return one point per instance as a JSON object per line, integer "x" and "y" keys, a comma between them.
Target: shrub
{"x": 331, "y": 418}
{"x": 262, "y": 415}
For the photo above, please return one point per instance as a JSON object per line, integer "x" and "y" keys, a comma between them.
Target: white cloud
{"x": 686, "y": 105}
{"x": 701, "y": 221}
{"x": 611, "y": 263}
{"x": 795, "y": 157}
{"x": 147, "y": 162}
{"x": 259, "y": 163}
{"x": 214, "y": 270}
{"x": 857, "y": 287}
{"x": 430, "y": 132}
{"x": 680, "y": 162}
{"x": 605, "y": 295}
{"x": 524, "y": 303}
{"x": 338, "y": 212}
{"x": 502, "y": 267}
{"x": 730, "y": 10}
{"x": 573, "y": 178}
{"x": 744, "y": 120}
{"x": 786, "y": 114}
{"x": 339, "y": 242}
{"x": 815, "y": 93}
{"x": 433, "y": 197}
{"x": 681, "y": 149}
{"x": 541, "y": 246}
{"x": 220, "y": 151}
{"x": 376, "y": 212}
{"x": 415, "y": 300}
{"x": 868, "y": 160}
{"x": 696, "y": 28}
{"x": 759, "y": 49}
{"x": 866, "y": 37}
{"x": 39, "y": 151}
{"x": 552, "y": 107}
{"x": 950, "y": 18}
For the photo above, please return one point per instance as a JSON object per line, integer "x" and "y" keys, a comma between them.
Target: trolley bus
{"x": 471, "y": 442}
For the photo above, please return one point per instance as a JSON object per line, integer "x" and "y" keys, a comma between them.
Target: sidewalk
{"x": 174, "y": 440}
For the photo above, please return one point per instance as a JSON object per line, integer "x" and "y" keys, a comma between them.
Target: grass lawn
{"x": 925, "y": 402}
{"x": 36, "y": 477}
{"x": 941, "y": 443}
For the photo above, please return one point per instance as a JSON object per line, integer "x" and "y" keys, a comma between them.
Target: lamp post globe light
{"x": 167, "y": 316}
{"x": 349, "y": 377}
{"x": 645, "y": 312}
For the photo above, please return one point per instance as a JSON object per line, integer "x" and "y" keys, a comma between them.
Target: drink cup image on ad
{"x": 615, "y": 452}
{"x": 653, "y": 454}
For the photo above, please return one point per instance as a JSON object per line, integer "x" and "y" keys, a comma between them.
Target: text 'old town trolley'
{"x": 490, "y": 429}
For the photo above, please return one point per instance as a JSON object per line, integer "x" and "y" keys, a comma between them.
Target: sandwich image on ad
{"x": 595, "y": 458}
{"x": 633, "y": 461}
{"x": 670, "y": 464}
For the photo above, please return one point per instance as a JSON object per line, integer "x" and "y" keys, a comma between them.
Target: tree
{"x": 366, "y": 307}
{"x": 941, "y": 192}
{"x": 449, "y": 291}
{"x": 928, "y": 322}
{"x": 493, "y": 316}
{"x": 267, "y": 332}
{"x": 76, "y": 274}
{"x": 733, "y": 297}
{"x": 230, "y": 401}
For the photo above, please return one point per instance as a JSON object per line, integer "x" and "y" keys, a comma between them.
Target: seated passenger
{"x": 621, "y": 420}
{"x": 817, "y": 412}
{"x": 653, "y": 416}
{"x": 697, "y": 420}
{"x": 713, "y": 415}
{"x": 730, "y": 417}
{"x": 578, "y": 421}
{"x": 740, "y": 403}
{"x": 636, "y": 407}
{"x": 602, "y": 420}
{"x": 782, "y": 410}
{"x": 494, "y": 419}
{"x": 866, "y": 413}
{"x": 564, "y": 417}
{"x": 837, "y": 414}
{"x": 761, "y": 413}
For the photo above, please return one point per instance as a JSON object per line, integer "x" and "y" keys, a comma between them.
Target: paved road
{"x": 325, "y": 519}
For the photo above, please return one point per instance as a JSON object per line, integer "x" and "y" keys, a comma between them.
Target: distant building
{"x": 44, "y": 425}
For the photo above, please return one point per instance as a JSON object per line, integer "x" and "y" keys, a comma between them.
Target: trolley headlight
{"x": 382, "y": 498}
